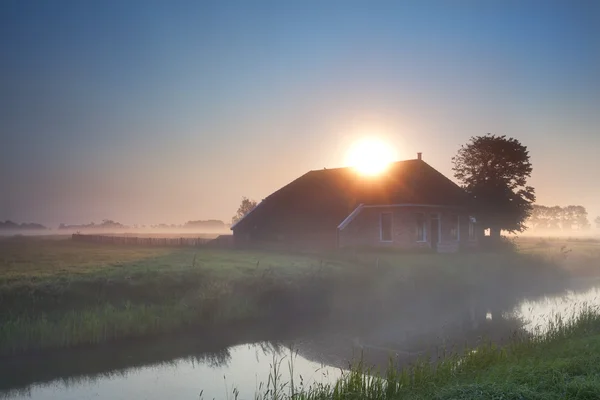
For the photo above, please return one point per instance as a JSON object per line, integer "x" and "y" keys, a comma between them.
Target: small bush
{"x": 504, "y": 244}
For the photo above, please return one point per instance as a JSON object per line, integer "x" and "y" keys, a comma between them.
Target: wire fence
{"x": 222, "y": 241}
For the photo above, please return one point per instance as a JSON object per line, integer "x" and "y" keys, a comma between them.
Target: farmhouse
{"x": 409, "y": 205}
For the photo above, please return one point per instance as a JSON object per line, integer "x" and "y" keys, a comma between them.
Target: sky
{"x": 168, "y": 111}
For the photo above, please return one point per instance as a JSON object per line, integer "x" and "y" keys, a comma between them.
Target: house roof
{"x": 328, "y": 196}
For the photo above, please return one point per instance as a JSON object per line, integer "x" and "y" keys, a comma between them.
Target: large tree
{"x": 245, "y": 207}
{"x": 597, "y": 221}
{"x": 494, "y": 170}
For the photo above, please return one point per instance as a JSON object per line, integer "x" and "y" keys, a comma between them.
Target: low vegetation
{"x": 57, "y": 293}
{"x": 560, "y": 363}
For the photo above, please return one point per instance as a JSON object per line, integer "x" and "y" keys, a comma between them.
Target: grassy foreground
{"x": 561, "y": 363}
{"x": 58, "y": 293}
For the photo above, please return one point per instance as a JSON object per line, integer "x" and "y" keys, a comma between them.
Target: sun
{"x": 370, "y": 156}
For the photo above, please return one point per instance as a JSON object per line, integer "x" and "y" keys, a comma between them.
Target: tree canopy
{"x": 597, "y": 221}
{"x": 105, "y": 224}
{"x": 245, "y": 207}
{"x": 10, "y": 225}
{"x": 494, "y": 170}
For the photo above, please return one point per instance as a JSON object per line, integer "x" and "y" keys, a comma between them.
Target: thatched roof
{"x": 326, "y": 197}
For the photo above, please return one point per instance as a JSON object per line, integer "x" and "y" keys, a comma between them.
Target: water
{"x": 185, "y": 367}
{"x": 244, "y": 368}
{"x": 539, "y": 313}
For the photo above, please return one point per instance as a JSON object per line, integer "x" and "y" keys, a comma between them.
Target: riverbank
{"x": 560, "y": 363}
{"x": 58, "y": 294}
{"x": 184, "y": 365}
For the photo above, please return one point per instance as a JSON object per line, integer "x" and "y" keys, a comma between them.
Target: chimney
{"x": 419, "y": 156}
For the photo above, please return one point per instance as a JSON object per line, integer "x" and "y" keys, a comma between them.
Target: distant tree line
{"x": 13, "y": 226}
{"x": 569, "y": 218}
{"x": 105, "y": 224}
{"x": 210, "y": 225}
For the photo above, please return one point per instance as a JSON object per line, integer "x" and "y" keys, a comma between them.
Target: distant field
{"x": 64, "y": 235}
{"x": 580, "y": 256}
{"x": 49, "y": 258}
{"x": 55, "y": 256}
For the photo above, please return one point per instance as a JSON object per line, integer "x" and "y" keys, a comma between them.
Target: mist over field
{"x": 309, "y": 200}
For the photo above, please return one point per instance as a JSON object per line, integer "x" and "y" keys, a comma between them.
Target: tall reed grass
{"x": 106, "y": 322}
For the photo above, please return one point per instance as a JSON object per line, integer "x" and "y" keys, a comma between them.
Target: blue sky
{"x": 152, "y": 111}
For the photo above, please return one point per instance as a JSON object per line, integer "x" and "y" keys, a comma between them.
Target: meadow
{"x": 57, "y": 293}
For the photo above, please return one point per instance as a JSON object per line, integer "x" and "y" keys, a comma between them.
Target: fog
{"x": 554, "y": 234}
{"x": 376, "y": 312}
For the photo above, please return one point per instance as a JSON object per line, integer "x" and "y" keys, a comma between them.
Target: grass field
{"x": 57, "y": 293}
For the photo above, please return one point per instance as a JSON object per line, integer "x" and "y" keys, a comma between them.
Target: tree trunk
{"x": 495, "y": 234}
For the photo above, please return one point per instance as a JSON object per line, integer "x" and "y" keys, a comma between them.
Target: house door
{"x": 435, "y": 231}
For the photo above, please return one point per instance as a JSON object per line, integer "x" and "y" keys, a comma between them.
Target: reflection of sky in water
{"x": 185, "y": 379}
{"x": 538, "y": 314}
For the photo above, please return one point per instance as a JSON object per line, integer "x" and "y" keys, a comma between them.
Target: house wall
{"x": 364, "y": 230}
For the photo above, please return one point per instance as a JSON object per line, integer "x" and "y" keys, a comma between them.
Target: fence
{"x": 220, "y": 241}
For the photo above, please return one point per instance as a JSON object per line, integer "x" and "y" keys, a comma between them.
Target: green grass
{"x": 59, "y": 293}
{"x": 33, "y": 258}
{"x": 561, "y": 363}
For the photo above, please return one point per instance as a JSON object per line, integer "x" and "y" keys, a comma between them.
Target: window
{"x": 386, "y": 227}
{"x": 455, "y": 227}
{"x": 421, "y": 228}
{"x": 471, "y": 228}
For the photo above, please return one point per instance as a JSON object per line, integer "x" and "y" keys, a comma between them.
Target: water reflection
{"x": 538, "y": 315}
{"x": 212, "y": 363}
{"x": 337, "y": 349}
